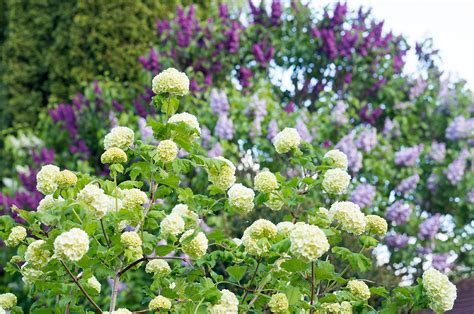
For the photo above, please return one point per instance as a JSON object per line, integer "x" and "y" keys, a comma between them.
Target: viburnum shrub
{"x": 143, "y": 218}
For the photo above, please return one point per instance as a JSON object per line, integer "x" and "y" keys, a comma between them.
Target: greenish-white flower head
{"x": 172, "y": 224}
{"x": 285, "y": 227}
{"x": 167, "y": 151}
{"x": 224, "y": 176}
{"x": 440, "y": 291}
{"x": 160, "y": 302}
{"x": 348, "y": 217}
{"x": 71, "y": 245}
{"x": 337, "y": 159}
{"x": 241, "y": 198}
{"x": 171, "y": 81}
{"x": 93, "y": 283}
{"x": 130, "y": 239}
{"x": 188, "y": 119}
{"x": 275, "y": 201}
{"x": 17, "y": 234}
{"x": 7, "y": 301}
{"x": 46, "y": 179}
{"x": 376, "y": 225}
{"x": 96, "y": 200}
{"x": 119, "y": 311}
{"x": 194, "y": 246}
{"x": 66, "y": 179}
{"x": 336, "y": 181}
{"x": 286, "y": 140}
{"x": 133, "y": 198}
{"x": 114, "y": 155}
{"x": 278, "y": 303}
{"x": 158, "y": 266}
{"x": 265, "y": 182}
{"x": 359, "y": 289}
{"x": 187, "y": 214}
{"x": 37, "y": 255}
{"x": 308, "y": 242}
{"x": 228, "y": 304}
{"x": 120, "y": 137}
{"x": 48, "y": 202}
{"x": 256, "y": 238}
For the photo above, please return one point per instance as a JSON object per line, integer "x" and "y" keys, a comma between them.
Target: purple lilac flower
{"x": 223, "y": 11}
{"x": 224, "y": 127}
{"x": 347, "y": 78}
{"x": 338, "y": 113}
{"x": 303, "y": 129}
{"x": 470, "y": 196}
{"x": 219, "y": 102}
{"x": 290, "y": 107}
{"x": 272, "y": 129}
{"x": 363, "y": 195}
{"x": 215, "y": 151}
{"x": 118, "y": 106}
{"x": 426, "y": 249}
{"x": 418, "y": 88}
{"x": 329, "y": 39}
{"x": 233, "y": 42}
{"x": 407, "y": 156}
{"x": 456, "y": 169}
{"x": 348, "y": 147}
{"x": 399, "y": 212}
{"x": 244, "y": 76}
{"x": 437, "y": 151}
{"x": 407, "y": 185}
{"x": 371, "y": 117}
{"x": 259, "y": 107}
{"x": 205, "y": 136}
{"x": 432, "y": 182}
{"x": 339, "y": 13}
{"x": 367, "y": 139}
{"x": 429, "y": 227}
{"x": 146, "y": 132}
{"x": 440, "y": 261}
{"x": 276, "y": 12}
{"x": 396, "y": 241}
{"x": 460, "y": 128}
{"x": 113, "y": 119}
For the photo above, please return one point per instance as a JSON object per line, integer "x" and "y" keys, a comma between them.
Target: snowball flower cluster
{"x": 97, "y": 201}
{"x": 185, "y": 213}
{"x": 120, "y": 137}
{"x": 308, "y": 242}
{"x": 134, "y": 198}
{"x": 359, "y": 289}
{"x": 36, "y": 255}
{"x": 172, "y": 224}
{"x": 376, "y": 225}
{"x": 278, "y": 303}
{"x": 159, "y": 302}
{"x": 275, "y": 201}
{"x": 241, "y": 198}
{"x": 46, "y": 179}
{"x": 7, "y": 301}
{"x": 336, "y": 181}
{"x": 223, "y": 177}
{"x": 93, "y": 283}
{"x": 171, "y": 81}
{"x": 286, "y": 140}
{"x": 186, "y": 118}
{"x": 17, "y": 234}
{"x": 119, "y": 311}
{"x": 228, "y": 304}
{"x": 130, "y": 239}
{"x": 113, "y": 155}
{"x": 71, "y": 245}
{"x": 158, "y": 266}
{"x": 337, "y": 308}
{"x": 284, "y": 227}
{"x": 265, "y": 182}
{"x": 66, "y": 179}
{"x": 441, "y": 292}
{"x": 197, "y": 246}
{"x": 348, "y": 216}
{"x": 256, "y": 237}
{"x": 167, "y": 151}
{"x": 337, "y": 159}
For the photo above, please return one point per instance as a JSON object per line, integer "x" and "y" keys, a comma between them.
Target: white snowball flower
{"x": 133, "y": 198}
{"x": 286, "y": 140}
{"x": 336, "y": 181}
{"x": 172, "y": 224}
{"x": 228, "y": 304}
{"x": 308, "y": 242}
{"x": 187, "y": 118}
{"x": 441, "y": 292}
{"x": 241, "y": 198}
{"x": 348, "y": 216}
{"x": 48, "y": 202}
{"x": 171, "y": 81}
{"x": 197, "y": 246}
{"x": 71, "y": 245}
{"x": 17, "y": 234}
{"x": 167, "y": 151}
{"x": 7, "y": 301}
{"x": 285, "y": 227}
{"x": 336, "y": 159}
{"x": 94, "y": 284}
{"x": 36, "y": 255}
{"x": 256, "y": 238}
{"x": 223, "y": 177}
{"x": 158, "y": 266}
{"x": 265, "y": 182}
{"x": 46, "y": 179}
{"x": 120, "y": 137}
{"x": 185, "y": 212}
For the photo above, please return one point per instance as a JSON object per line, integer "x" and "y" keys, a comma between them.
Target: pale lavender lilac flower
{"x": 338, "y": 113}
{"x": 408, "y": 156}
{"x": 348, "y": 147}
{"x": 470, "y": 196}
{"x": 418, "y": 88}
{"x": 391, "y": 128}
{"x": 272, "y": 129}
{"x": 146, "y": 132}
{"x": 205, "y": 136}
{"x": 456, "y": 169}
{"x": 437, "y": 151}
{"x": 460, "y": 128}
{"x": 259, "y": 107}
{"x": 407, "y": 185}
{"x": 432, "y": 182}
{"x": 219, "y": 103}
{"x": 429, "y": 227}
{"x": 224, "y": 127}
{"x": 303, "y": 129}
{"x": 363, "y": 195}
{"x": 113, "y": 119}
{"x": 396, "y": 241}
{"x": 367, "y": 139}
{"x": 440, "y": 261}
{"x": 215, "y": 151}
{"x": 399, "y": 212}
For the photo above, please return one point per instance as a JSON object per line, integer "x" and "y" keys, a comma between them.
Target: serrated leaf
{"x": 236, "y": 272}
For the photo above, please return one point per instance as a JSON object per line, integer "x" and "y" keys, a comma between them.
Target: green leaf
{"x": 381, "y": 291}
{"x": 236, "y": 272}
{"x": 368, "y": 241}
{"x": 293, "y": 295}
{"x": 294, "y": 265}
{"x": 162, "y": 250}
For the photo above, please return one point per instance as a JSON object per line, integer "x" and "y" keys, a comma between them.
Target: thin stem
{"x": 153, "y": 189}
{"x": 105, "y": 233}
{"x": 113, "y": 298}
{"x": 312, "y": 286}
{"x": 77, "y": 216}
{"x": 146, "y": 258}
{"x": 251, "y": 281}
{"x": 81, "y": 288}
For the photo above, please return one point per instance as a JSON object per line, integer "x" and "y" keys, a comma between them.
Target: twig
{"x": 81, "y": 288}
{"x": 251, "y": 281}
{"x": 105, "y": 233}
{"x": 312, "y": 286}
{"x": 152, "y": 200}
{"x": 146, "y": 258}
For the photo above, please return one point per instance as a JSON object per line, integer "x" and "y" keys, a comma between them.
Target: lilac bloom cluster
{"x": 220, "y": 105}
{"x": 259, "y": 107}
{"x": 272, "y": 130}
{"x": 146, "y": 132}
{"x": 391, "y": 128}
{"x": 338, "y": 115}
{"x": 263, "y": 53}
{"x": 437, "y": 151}
{"x": 418, "y": 88}
{"x": 455, "y": 170}
{"x": 399, "y": 212}
{"x": 370, "y": 117}
{"x": 367, "y": 139}
{"x": 150, "y": 63}
{"x": 460, "y": 128}
{"x": 432, "y": 182}
{"x": 363, "y": 195}
{"x": 409, "y": 155}
{"x": 440, "y": 261}
{"x": 396, "y": 241}
{"x": 303, "y": 129}
{"x": 215, "y": 151}
{"x": 470, "y": 196}
{"x": 429, "y": 228}
{"x": 348, "y": 147}
{"x": 407, "y": 185}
